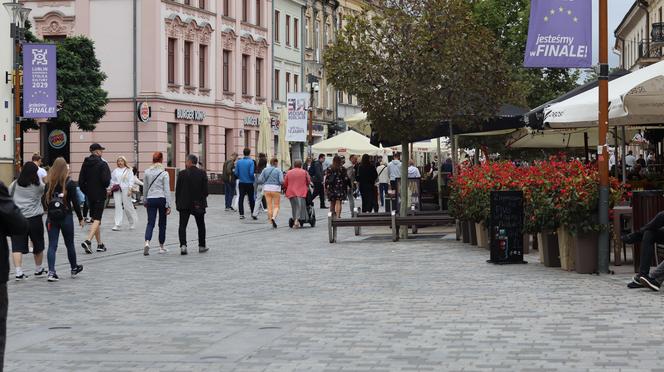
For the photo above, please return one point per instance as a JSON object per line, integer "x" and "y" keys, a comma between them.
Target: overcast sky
{"x": 617, "y": 10}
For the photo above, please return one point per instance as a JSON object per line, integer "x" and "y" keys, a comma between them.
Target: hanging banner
{"x": 39, "y": 81}
{"x": 296, "y": 125}
{"x": 559, "y": 34}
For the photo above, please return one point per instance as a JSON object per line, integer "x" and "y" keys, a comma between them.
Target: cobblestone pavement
{"x": 284, "y": 300}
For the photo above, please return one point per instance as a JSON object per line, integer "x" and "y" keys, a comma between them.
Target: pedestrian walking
{"x": 296, "y": 184}
{"x": 94, "y": 179}
{"x": 27, "y": 192}
{"x": 366, "y": 179}
{"x": 122, "y": 185}
{"x": 261, "y": 164}
{"x": 271, "y": 179}
{"x": 157, "y": 200}
{"x": 41, "y": 172}
{"x": 351, "y": 171}
{"x": 316, "y": 174}
{"x": 337, "y": 184}
{"x": 12, "y": 223}
{"x": 244, "y": 171}
{"x": 228, "y": 176}
{"x": 61, "y": 199}
{"x": 136, "y": 187}
{"x": 383, "y": 181}
{"x": 191, "y": 192}
{"x": 394, "y": 171}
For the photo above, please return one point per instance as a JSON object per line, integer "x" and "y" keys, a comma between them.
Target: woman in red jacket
{"x": 296, "y": 184}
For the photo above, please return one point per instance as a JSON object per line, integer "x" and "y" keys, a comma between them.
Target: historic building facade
{"x": 6, "y": 101}
{"x": 640, "y": 35}
{"x": 203, "y": 72}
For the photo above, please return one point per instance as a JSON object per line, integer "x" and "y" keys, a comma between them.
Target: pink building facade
{"x": 203, "y": 68}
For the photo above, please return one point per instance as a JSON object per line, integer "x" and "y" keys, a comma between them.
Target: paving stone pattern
{"x": 284, "y": 300}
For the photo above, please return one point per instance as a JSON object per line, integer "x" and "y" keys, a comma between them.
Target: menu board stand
{"x": 506, "y": 227}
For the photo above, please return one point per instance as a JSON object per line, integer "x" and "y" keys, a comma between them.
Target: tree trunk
{"x": 403, "y": 188}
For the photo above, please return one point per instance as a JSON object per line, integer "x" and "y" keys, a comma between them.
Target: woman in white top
{"x": 122, "y": 182}
{"x": 157, "y": 193}
{"x": 383, "y": 181}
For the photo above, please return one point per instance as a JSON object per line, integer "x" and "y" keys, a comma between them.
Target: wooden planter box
{"x": 567, "y": 245}
{"x": 482, "y": 235}
{"x": 548, "y": 249}
{"x": 586, "y": 252}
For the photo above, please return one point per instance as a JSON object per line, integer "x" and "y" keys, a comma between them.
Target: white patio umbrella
{"x": 347, "y": 143}
{"x": 284, "y": 153}
{"x": 265, "y": 134}
{"x": 559, "y": 138}
{"x": 634, "y": 99}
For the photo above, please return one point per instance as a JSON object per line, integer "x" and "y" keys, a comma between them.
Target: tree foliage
{"x": 80, "y": 81}
{"x": 415, "y": 63}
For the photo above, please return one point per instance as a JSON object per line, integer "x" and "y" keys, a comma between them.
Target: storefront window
{"x": 170, "y": 146}
{"x": 202, "y": 145}
{"x": 247, "y": 133}
{"x": 187, "y": 139}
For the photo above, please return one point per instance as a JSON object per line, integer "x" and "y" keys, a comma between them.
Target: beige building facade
{"x": 640, "y": 35}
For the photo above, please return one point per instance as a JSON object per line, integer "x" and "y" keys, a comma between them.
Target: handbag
{"x": 115, "y": 188}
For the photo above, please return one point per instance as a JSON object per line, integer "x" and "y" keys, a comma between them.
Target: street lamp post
{"x": 603, "y": 154}
{"x": 311, "y": 79}
{"x": 19, "y": 15}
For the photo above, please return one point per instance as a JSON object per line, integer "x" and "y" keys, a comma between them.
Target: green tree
{"x": 80, "y": 84}
{"x": 415, "y": 63}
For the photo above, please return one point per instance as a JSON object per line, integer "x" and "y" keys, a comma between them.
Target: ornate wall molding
{"x": 188, "y": 29}
{"x": 54, "y": 23}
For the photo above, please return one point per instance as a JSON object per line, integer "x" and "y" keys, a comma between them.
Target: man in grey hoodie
{"x": 394, "y": 170}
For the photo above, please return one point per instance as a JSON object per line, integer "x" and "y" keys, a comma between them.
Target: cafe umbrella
{"x": 264, "y": 133}
{"x": 284, "y": 153}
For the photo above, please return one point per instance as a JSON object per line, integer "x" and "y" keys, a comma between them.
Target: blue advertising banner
{"x": 39, "y": 81}
{"x": 559, "y": 34}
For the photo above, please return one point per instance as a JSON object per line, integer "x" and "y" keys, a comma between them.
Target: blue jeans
{"x": 229, "y": 192}
{"x": 54, "y": 228}
{"x": 153, "y": 206}
{"x": 382, "y": 189}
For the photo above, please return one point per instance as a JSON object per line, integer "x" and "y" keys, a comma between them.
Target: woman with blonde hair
{"x": 60, "y": 198}
{"x": 122, "y": 184}
{"x": 157, "y": 195}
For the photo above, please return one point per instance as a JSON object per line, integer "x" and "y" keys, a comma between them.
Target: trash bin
{"x": 645, "y": 205}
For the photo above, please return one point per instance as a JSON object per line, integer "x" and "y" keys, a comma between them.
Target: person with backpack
{"x": 94, "y": 179}
{"x": 12, "y": 222}
{"x": 316, "y": 174}
{"x": 229, "y": 181}
{"x": 191, "y": 192}
{"x": 60, "y": 199}
{"x": 157, "y": 200}
{"x": 271, "y": 179}
{"x": 27, "y": 192}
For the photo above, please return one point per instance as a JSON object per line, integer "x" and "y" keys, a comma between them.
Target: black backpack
{"x": 57, "y": 207}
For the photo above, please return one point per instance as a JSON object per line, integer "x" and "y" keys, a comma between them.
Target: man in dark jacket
{"x": 316, "y": 174}
{"x": 228, "y": 177}
{"x": 191, "y": 192}
{"x": 12, "y": 222}
{"x": 94, "y": 179}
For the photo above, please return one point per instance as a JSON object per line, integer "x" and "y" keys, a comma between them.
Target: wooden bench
{"x": 419, "y": 220}
{"x": 334, "y": 223}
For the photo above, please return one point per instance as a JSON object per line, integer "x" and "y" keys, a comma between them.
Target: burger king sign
{"x": 57, "y": 139}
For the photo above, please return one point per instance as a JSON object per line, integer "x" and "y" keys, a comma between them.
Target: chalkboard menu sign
{"x": 506, "y": 227}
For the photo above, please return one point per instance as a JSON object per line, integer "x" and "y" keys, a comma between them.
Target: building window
{"x": 258, "y": 12}
{"x": 170, "y": 145}
{"x": 226, "y": 8}
{"x": 296, "y": 83}
{"x": 187, "y": 138}
{"x": 202, "y": 145}
{"x": 341, "y": 97}
{"x": 245, "y": 10}
{"x": 245, "y": 73}
{"x": 201, "y": 4}
{"x": 226, "y": 75}
{"x": 288, "y": 30}
{"x": 276, "y": 26}
{"x": 187, "y": 63}
{"x": 296, "y": 29}
{"x": 55, "y": 38}
{"x": 307, "y": 32}
{"x": 259, "y": 80}
{"x": 276, "y": 85}
{"x": 247, "y": 133}
{"x": 202, "y": 65}
{"x": 288, "y": 82}
{"x": 171, "y": 61}
{"x": 187, "y": 2}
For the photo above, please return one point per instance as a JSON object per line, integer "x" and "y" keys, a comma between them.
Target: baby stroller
{"x": 311, "y": 212}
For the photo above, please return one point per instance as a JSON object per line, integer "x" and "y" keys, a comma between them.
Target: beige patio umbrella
{"x": 264, "y": 133}
{"x": 284, "y": 153}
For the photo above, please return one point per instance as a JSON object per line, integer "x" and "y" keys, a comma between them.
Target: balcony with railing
{"x": 649, "y": 52}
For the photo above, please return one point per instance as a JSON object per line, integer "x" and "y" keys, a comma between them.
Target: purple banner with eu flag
{"x": 39, "y": 81}
{"x": 559, "y": 34}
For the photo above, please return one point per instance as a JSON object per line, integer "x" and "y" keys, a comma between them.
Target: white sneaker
{"x": 132, "y": 227}
{"x": 116, "y": 228}
{"x": 163, "y": 250}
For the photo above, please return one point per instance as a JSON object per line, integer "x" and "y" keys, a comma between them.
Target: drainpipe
{"x": 135, "y": 87}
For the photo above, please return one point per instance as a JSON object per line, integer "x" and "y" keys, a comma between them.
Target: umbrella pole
{"x": 615, "y": 152}
{"x": 439, "y": 174}
{"x": 585, "y": 146}
{"x": 623, "y": 151}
